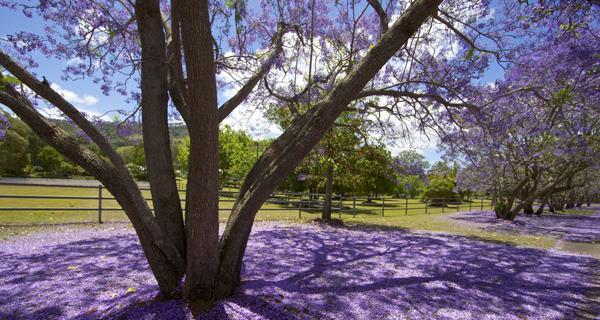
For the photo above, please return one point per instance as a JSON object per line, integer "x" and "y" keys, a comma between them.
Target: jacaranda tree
{"x": 175, "y": 48}
{"x": 409, "y": 60}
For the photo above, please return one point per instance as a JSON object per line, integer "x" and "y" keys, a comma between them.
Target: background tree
{"x": 13, "y": 148}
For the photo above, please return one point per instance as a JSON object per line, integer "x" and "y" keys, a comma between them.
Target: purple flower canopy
{"x": 301, "y": 272}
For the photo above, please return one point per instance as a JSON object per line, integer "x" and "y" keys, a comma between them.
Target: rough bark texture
{"x": 201, "y": 212}
{"x": 326, "y": 215}
{"x": 163, "y": 257}
{"x": 304, "y": 133}
{"x": 157, "y": 146}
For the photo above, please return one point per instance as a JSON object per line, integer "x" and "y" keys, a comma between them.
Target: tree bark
{"x": 304, "y": 133}
{"x": 157, "y": 146}
{"x": 163, "y": 257}
{"x": 201, "y": 212}
{"x": 326, "y": 214}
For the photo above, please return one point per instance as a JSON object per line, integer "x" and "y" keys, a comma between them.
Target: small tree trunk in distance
{"x": 570, "y": 205}
{"x": 528, "y": 209}
{"x": 540, "y": 209}
{"x": 570, "y": 201}
{"x": 326, "y": 215}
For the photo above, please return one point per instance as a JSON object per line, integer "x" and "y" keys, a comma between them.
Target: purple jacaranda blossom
{"x": 569, "y": 227}
{"x": 4, "y": 124}
{"x": 300, "y": 272}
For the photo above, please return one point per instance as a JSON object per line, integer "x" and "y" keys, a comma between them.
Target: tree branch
{"x": 67, "y": 108}
{"x": 245, "y": 90}
{"x": 414, "y": 95}
{"x": 383, "y": 18}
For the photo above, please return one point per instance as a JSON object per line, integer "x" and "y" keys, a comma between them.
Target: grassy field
{"x": 418, "y": 216}
{"x": 269, "y": 211}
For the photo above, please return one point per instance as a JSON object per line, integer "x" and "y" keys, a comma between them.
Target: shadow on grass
{"x": 305, "y": 272}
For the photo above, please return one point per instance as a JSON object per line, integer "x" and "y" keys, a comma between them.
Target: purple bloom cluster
{"x": 301, "y": 272}
{"x": 4, "y": 124}
{"x": 569, "y": 227}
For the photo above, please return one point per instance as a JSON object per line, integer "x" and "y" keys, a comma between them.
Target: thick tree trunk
{"x": 157, "y": 146}
{"x": 202, "y": 205}
{"x": 326, "y": 215}
{"x": 305, "y": 132}
{"x": 164, "y": 258}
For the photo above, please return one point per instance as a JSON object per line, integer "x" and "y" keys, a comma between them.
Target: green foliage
{"x": 183, "y": 155}
{"x": 14, "y": 157}
{"x": 134, "y": 157}
{"x": 237, "y": 154}
{"x": 410, "y": 185}
{"x": 440, "y": 187}
{"x": 53, "y": 164}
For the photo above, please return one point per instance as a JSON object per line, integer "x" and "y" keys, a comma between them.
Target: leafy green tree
{"x": 54, "y": 165}
{"x": 440, "y": 190}
{"x": 14, "y": 157}
{"x": 411, "y": 185}
{"x": 135, "y": 159}
{"x": 237, "y": 154}
{"x": 373, "y": 174}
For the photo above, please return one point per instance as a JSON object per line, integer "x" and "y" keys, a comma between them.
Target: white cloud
{"x": 74, "y": 98}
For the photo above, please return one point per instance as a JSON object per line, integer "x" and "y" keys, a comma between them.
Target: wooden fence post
{"x": 406, "y": 206}
{"x": 470, "y": 204}
{"x": 300, "y": 207}
{"x": 382, "y": 205}
{"x": 340, "y": 204}
{"x": 426, "y": 205}
{"x": 100, "y": 203}
{"x": 481, "y": 205}
{"x": 443, "y": 205}
{"x": 354, "y": 206}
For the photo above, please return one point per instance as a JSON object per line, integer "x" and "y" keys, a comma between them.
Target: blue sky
{"x": 89, "y": 98}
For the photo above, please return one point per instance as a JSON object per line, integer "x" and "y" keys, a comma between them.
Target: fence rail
{"x": 307, "y": 203}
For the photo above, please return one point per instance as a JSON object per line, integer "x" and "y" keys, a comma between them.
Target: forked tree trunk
{"x": 208, "y": 265}
{"x": 326, "y": 214}
{"x": 295, "y": 143}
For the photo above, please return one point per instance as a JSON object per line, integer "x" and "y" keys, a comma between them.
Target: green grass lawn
{"x": 394, "y": 214}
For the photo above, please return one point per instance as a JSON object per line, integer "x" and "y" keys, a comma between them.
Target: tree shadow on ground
{"x": 569, "y": 227}
{"x": 306, "y": 272}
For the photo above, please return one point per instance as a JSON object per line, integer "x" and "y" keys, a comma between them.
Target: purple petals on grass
{"x": 300, "y": 272}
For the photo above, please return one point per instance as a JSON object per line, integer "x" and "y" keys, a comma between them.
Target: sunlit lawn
{"x": 418, "y": 216}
